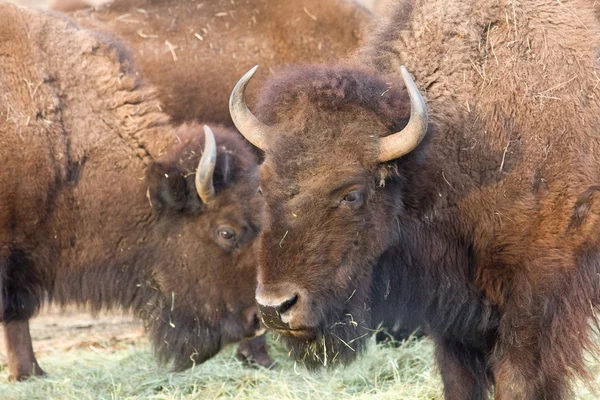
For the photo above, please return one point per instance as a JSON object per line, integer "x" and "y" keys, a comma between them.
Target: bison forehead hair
{"x": 330, "y": 113}
{"x": 241, "y": 158}
{"x": 234, "y": 170}
{"x": 313, "y": 89}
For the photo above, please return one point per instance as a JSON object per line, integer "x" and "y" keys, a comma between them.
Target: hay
{"x": 384, "y": 373}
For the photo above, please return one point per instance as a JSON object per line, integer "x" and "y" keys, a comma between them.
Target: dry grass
{"x": 133, "y": 374}
{"x": 383, "y": 373}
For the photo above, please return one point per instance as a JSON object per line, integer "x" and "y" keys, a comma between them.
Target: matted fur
{"x": 487, "y": 232}
{"x": 98, "y": 204}
{"x": 211, "y": 43}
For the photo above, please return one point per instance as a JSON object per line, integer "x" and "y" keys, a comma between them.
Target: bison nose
{"x": 276, "y": 312}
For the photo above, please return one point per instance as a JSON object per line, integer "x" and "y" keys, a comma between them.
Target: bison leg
{"x": 254, "y": 352}
{"x": 520, "y": 375}
{"x": 511, "y": 383}
{"x": 539, "y": 347}
{"x": 21, "y": 360}
{"x": 463, "y": 371}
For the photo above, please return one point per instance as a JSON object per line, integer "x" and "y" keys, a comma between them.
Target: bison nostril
{"x": 256, "y": 321}
{"x": 287, "y": 305}
{"x": 276, "y": 311}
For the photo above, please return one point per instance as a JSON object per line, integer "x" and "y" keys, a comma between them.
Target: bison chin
{"x": 337, "y": 341}
{"x": 188, "y": 340}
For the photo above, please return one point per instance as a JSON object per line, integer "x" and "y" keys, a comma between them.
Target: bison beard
{"x": 338, "y": 342}
{"x": 397, "y": 293}
{"x": 189, "y": 344}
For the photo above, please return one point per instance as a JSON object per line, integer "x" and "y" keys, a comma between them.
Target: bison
{"x": 105, "y": 203}
{"x": 195, "y": 52}
{"x": 467, "y": 201}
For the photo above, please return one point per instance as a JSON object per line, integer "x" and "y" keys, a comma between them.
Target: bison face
{"x": 207, "y": 287}
{"x": 322, "y": 234}
{"x": 328, "y": 216}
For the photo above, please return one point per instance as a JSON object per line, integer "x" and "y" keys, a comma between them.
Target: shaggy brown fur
{"x": 488, "y": 232}
{"x": 67, "y": 6}
{"x": 98, "y": 204}
{"x": 194, "y": 52}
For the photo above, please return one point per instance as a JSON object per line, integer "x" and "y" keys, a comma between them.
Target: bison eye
{"x": 227, "y": 233}
{"x": 352, "y": 198}
{"x": 226, "y": 237}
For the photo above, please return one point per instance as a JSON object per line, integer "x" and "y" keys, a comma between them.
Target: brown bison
{"x": 194, "y": 52}
{"x": 487, "y": 231}
{"x": 104, "y": 203}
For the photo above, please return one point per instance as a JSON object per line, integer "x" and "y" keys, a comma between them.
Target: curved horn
{"x": 206, "y": 167}
{"x": 398, "y": 144}
{"x": 248, "y": 125}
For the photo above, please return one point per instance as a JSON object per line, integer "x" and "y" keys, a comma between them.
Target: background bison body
{"x": 195, "y": 52}
{"x": 486, "y": 231}
{"x": 98, "y": 204}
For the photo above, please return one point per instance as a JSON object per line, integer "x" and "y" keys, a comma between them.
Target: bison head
{"x": 208, "y": 216}
{"x": 328, "y": 136}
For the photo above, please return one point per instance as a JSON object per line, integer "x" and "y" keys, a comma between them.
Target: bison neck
{"x": 82, "y": 226}
{"x": 109, "y": 259}
{"x": 425, "y": 280}
{"x": 105, "y": 243}
{"x": 503, "y": 156}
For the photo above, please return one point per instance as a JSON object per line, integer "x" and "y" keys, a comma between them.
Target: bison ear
{"x": 224, "y": 168}
{"x": 167, "y": 187}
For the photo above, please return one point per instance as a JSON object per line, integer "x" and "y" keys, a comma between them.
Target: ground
{"x": 55, "y": 331}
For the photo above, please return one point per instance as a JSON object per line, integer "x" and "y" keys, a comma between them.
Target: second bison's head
{"x": 208, "y": 215}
